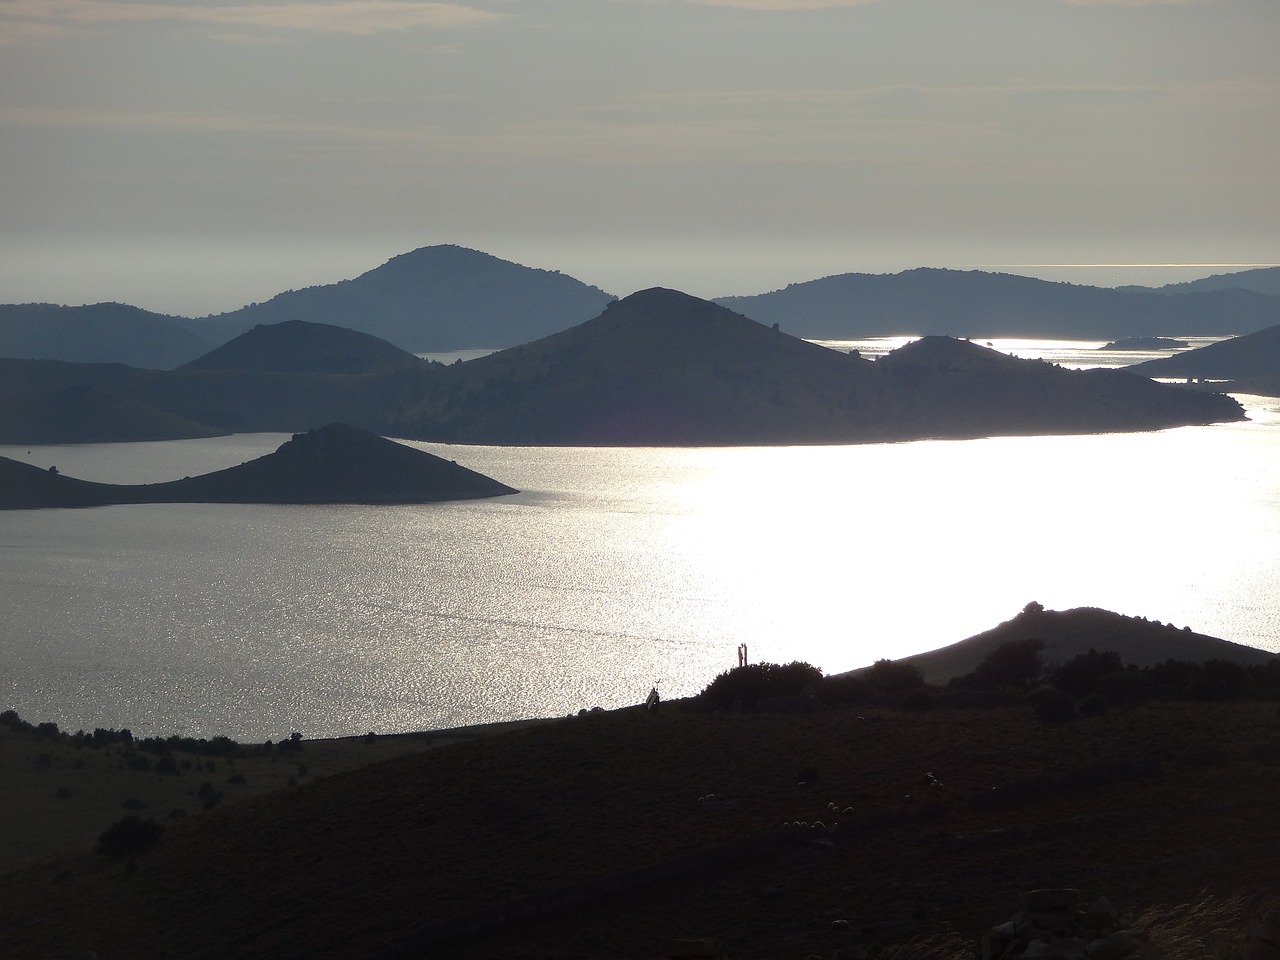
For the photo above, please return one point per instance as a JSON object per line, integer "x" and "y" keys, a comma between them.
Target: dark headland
{"x": 332, "y": 464}
{"x": 661, "y": 367}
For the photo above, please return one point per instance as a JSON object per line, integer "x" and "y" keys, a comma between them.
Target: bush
{"x": 845, "y": 688}
{"x": 1052, "y": 705}
{"x": 749, "y": 685}
{"x": 888, "y": 676}
{"x": 1079, "y": 675}
{"x": 129, "y": 836}
{"x": 1015, "y": 663}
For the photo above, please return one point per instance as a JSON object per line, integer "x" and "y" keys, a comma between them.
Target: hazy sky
{"x": 190, "y": 157}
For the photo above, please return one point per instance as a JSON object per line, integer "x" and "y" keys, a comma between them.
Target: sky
{"x": 191, "y": 157}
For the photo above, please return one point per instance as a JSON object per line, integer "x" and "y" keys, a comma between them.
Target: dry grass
{"x": 588, "y": 838}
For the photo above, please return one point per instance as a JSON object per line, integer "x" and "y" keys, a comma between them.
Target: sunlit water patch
{"x": 612, "y": 569}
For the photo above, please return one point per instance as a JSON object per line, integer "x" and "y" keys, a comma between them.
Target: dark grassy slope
{"x": 974, "y": 303}
{"x": 661, "y": 367}
{"x": 595, "y": 837}
{"x": 335, "y": 464}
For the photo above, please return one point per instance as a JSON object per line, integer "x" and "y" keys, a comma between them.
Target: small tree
{"x": 129, "y": 836}
{"x": 1015, "y": 663}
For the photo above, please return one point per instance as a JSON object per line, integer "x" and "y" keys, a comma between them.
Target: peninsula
{"x": 332, "y": 464}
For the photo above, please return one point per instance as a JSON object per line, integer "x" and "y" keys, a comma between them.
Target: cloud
{"x": 1134, "y": 3}
{"x": 784, "y": 5}
{"x": 26, "y": 19}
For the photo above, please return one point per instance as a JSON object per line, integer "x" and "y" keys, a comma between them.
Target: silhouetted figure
{"x": 651, "y": 704}
{"x": 54, "y": 471}
{"x": 742, "y": 654}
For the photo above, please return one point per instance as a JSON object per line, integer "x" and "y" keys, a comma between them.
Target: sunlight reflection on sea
{"x": 612, "y": 568}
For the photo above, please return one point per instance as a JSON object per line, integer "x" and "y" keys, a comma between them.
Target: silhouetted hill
{"x": 101, "y": 333}
{"x": 334, "y": 464}
{"x": 1251, "y": 362}
{"x": 436, "y": 299}
{"x": 661, "y": 367}
{"x": 1262, "y": 280}
{"x": 297, "y": 346}
{"x": 1068, "y": 633}
{"x": 45, "y": 401}
{"x": 974, "y": 303}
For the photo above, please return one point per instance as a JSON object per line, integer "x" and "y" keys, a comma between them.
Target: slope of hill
{"x": 973, "y": 303}
{"x": 1261, "y": 280}
{"x": 1251, "y": 361}
{"x": 1068, "y": 633}
{"x": 101, "y": 333}
{"x": 661, "y": 367}
{"x": 607, "y": 834}
{"x": 435, "y": 299}
{"x": 334, "y": 464}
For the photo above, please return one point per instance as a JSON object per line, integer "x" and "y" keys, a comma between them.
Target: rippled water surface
{"x": 612, "y": 568}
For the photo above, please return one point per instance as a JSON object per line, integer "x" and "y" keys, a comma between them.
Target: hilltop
{"x": 436, "y": 298}
{"x": 333, "y": 464}
{"x": 1069, "y": 633}
{"x": 300, "y": 346}
{"x": 662, "y": 367}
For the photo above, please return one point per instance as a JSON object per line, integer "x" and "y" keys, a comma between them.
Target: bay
{"x": 613, "y": 569}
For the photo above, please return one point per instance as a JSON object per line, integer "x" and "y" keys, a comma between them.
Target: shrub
{"x": 1092, "y": 705}
{"x": 749, "y": 685}
{"x": 1015, "y": 663}
{"x": 129, "y": 836}
{"x": 1052, "y": 705}
{"x": 919, "y": 698}
{"x": 845, "y": 688}
{"x": 1079, "y": 675}
{"x": 1123, "y": 686}
{"x": 888, "y": 676}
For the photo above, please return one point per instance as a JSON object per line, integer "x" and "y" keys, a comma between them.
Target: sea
{"x": 613, "y": 571}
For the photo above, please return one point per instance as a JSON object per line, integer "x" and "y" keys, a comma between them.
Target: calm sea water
{"x": 612, "y": 569}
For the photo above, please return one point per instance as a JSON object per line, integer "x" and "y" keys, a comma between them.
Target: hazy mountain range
{"x": 659, "y": 367}
{"x": 445, "y": 298}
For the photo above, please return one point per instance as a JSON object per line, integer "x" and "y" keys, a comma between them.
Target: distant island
{"x": 1145, "y": 343}
{"x": 444, "y": 298}
{"x": 333, "y": 464}
{"x": 659, "y": 368}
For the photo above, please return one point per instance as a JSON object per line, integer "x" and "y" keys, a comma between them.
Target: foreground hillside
{"x": 604, "y": 834}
